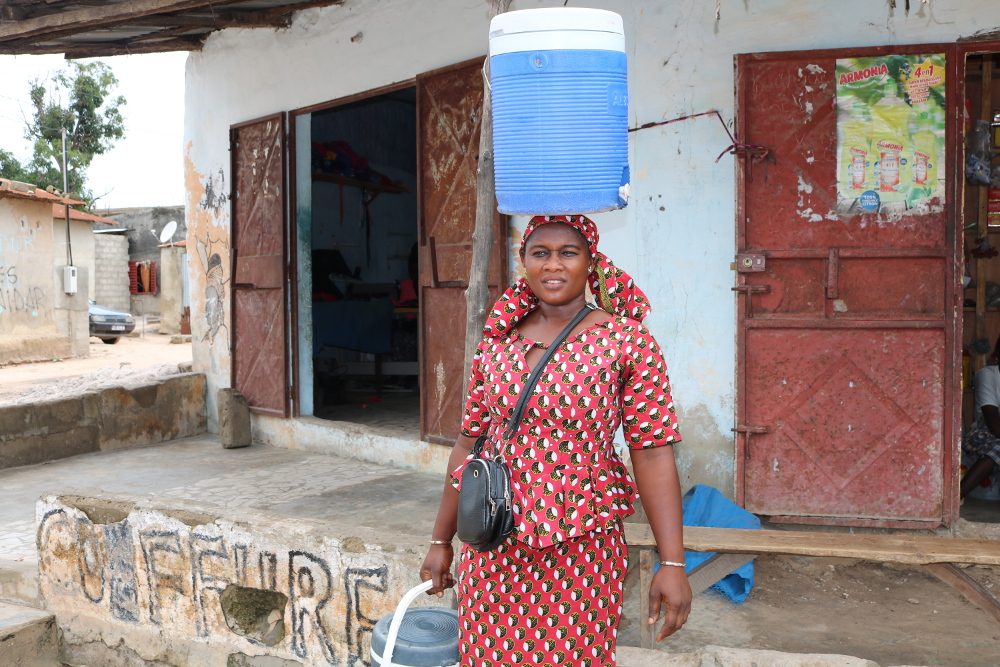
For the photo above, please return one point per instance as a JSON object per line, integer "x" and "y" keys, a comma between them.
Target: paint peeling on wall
{"x": 207, "y": 214}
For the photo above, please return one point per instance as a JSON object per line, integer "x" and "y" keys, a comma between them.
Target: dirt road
{"x": 136, "y": 353}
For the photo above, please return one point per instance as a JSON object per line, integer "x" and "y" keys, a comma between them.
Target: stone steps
{"x": 19, "y": 583}
{"x": 719, "y": 656}
{"x": 28, "y": 637}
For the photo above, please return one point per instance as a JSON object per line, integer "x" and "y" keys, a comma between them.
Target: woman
{"x": 552, "y": 592}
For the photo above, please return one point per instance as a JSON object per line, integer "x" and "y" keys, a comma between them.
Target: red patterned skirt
{"x": 559, "y": 605}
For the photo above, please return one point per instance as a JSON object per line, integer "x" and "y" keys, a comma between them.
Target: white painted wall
{"x": 677, "y": 238}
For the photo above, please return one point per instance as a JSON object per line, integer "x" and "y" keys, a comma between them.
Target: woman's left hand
{"x": 669, "y": 586}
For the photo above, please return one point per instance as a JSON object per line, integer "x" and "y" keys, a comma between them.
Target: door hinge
{"x": 750, "y": 263}
{"x": 752, "y": 289}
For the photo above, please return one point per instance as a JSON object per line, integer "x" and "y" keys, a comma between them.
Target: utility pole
{"x": 477, "y": 294}
{"x": 69, "y": 242}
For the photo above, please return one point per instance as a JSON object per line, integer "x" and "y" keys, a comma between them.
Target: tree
{"x": 82, "y": 101}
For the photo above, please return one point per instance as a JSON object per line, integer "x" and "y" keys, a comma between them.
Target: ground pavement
{"x": 892, "y": 615}
{"x": 150, "y": 349}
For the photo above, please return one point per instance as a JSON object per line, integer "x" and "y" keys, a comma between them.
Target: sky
{"x": 143, "y": 169}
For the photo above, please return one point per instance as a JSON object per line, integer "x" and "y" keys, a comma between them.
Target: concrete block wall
{"x": 111, "y": 262}
{"x": 145, "y": 225}
{"x": 112, "y": 418}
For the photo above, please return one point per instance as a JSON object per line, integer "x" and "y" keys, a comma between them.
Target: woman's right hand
{"x": 437, "y": 566}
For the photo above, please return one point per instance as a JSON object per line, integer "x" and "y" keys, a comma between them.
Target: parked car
{"x": 109, "y": 324}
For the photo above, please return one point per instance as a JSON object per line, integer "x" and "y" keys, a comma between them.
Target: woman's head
{"x": 560, "y": 257}
{"x": 557, "y": 263}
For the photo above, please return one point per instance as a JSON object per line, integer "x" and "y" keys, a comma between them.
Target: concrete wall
{"x": 83, "y": 245}
{"x": 171, "y": 289}
{"x": 352, "y": 441}
{"x": 72, "y": 311}
{"x": 677, "y": 237}
{"x": 133, "y": 580}
{"x": 111, "y": 279}
{"x": 113, "y": 418}
{"x": 37, "y": 320}
{"x": 145, "y": 225}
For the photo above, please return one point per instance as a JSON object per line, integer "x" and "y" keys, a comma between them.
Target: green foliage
{"x": 82, "y": 101}
{"x": 10, "y": 167}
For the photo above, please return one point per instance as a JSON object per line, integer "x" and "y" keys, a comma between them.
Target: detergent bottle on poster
{"x": 890, "y": 145}
{"x": 924, "y": 158}
{"x": 856, "y": 157}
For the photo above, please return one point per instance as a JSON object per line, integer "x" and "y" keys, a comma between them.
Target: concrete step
{"x": 19, "y": 582}
{"x": 28, "y": 637}
{"x": 719, "y": 656}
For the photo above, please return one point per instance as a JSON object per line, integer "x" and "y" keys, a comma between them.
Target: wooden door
{"x": 449, "y": 105}
{"x": 259, "y": 257}
{"x": 846, "y": 339}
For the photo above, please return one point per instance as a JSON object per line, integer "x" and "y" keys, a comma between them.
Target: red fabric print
{"x": 551, "y": 593}
{"x": 567, "y": 477}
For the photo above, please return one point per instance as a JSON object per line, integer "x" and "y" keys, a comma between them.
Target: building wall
{"x": 82, "y": 244}
{"x": 26, "y": 260}
{"x": 37, "y": 320}
{"x": 677, "y": 237}
{"x": 145, "y": 225}
{"x": 171, "y": 289}
{"x": 111, "y": 264}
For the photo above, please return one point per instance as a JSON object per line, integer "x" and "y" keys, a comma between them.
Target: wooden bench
{"x": 734, "y": 547}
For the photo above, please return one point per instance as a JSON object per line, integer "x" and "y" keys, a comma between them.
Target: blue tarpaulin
{"x": 706, "y": 506}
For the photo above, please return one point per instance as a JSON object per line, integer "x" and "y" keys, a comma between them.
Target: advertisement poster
{"x": 890, "y": 134}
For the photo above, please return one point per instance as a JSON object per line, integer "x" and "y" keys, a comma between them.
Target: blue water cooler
{"x": 559, "y": 85}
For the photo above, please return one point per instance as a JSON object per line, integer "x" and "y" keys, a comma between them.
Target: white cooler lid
{"x": 556, "y": 28}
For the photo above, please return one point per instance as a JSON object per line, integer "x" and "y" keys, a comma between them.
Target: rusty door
{"x": 846, "y": 337}
{"x": 259, "y": 228}
{"x": 449, "y": 104}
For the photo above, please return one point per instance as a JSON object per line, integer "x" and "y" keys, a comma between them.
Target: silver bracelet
{"x": 440, "y": 541}
{"x": 670, "y": 562}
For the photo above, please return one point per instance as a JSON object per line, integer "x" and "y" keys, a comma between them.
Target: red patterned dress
{"x": 552, "y": 593}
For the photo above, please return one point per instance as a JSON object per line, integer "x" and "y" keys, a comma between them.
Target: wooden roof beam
{"x": 33, "y": 9}
{"x": 97, "y": 49}
{"x": 218, "y": 21}
{"x": 89, "y": 18}
{"x": 174, "y": 24}
{"x": 299, "y": 6}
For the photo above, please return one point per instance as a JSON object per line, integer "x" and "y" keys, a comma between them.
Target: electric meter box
{"x": 69, "y": 279}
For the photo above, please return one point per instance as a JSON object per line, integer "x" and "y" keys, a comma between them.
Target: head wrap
{"x": 615, "y": 290}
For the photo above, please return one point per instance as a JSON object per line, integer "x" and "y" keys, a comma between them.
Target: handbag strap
{"x": 529, "y": 387}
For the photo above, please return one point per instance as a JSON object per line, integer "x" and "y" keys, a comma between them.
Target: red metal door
{"x": 259, "y": 228}
{"x": 846, "y": 381}
{"x": 449, "y": 105}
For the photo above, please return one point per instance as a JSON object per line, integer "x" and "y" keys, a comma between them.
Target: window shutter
{"x": 151, "y": 289}
{"x": 133, "y": 277}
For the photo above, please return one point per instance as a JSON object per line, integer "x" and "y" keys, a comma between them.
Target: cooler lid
{"x": 428, "y": 637}
{"x": 556, "y": 18}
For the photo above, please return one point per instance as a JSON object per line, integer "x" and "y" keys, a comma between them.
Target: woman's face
{"x": 556, "y": 263}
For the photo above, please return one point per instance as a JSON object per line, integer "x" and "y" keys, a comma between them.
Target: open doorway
{"x": 981, "y": 225}
{"x": 359, "y": 220}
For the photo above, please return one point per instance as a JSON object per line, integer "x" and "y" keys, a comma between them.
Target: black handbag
{"x": 485, "y": 510}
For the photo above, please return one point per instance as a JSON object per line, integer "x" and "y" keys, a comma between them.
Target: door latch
{"x": 749, "y": 263}
{"x": 752, "y": 289}
{"x": 747, "y": 431}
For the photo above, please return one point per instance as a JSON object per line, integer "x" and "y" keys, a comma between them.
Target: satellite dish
{"x": 168, "y": 232}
